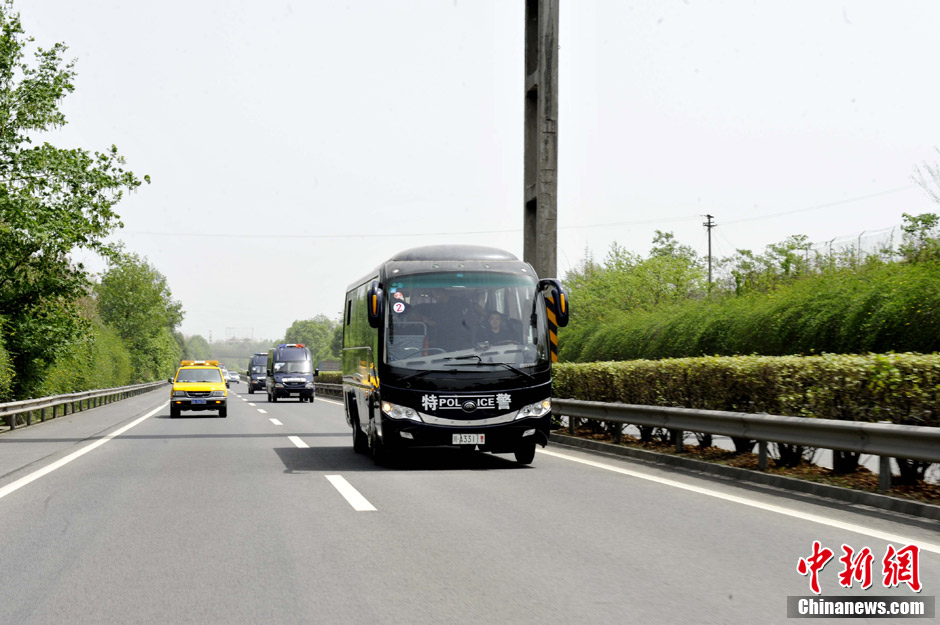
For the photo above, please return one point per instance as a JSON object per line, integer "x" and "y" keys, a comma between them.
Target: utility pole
{"x": 540, "y": 226}
{"x": 709, "y": 225}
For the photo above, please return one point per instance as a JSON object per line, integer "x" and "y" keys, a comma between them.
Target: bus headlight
{"x": 394, "y": 411}
{"x": 308, "y": 385}
{"x": 538, "y": 409}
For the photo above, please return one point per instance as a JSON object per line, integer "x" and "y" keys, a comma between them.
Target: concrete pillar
{"x": 541, "y": 137}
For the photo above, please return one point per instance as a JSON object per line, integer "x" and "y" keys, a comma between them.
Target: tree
{"x": 134, "y": 299}
{"x": 336, "y": 344}
{"x": 317, "y": 334}
{"x": 921, "y": 240}
{"x": 627, "y": 282}
{"x": 197, "y": 348}
{"x": 52, "y": 202}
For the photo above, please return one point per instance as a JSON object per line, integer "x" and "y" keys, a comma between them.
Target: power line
{"x": 818, "y": 206}
{"x": 218, "y": 235}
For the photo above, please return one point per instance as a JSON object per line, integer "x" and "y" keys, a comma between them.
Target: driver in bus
{"x": 494, "y": 329}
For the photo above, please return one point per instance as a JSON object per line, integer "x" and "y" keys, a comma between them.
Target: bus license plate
{"x": 469, "y": 439}
{"x": 199, "y": 401}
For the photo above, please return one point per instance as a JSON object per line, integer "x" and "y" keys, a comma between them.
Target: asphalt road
{"x": 244, "y": 520}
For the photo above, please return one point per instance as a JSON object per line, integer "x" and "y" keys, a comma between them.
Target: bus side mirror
{"x": 557, "y": 300}
{"x": 374, "y": 301}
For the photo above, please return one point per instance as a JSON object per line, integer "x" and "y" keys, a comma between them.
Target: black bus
{"x": 451, "y": 346}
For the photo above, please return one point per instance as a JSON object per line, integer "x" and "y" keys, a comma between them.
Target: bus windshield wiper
{"x": 421, "y": 374}
{"x": 465, "y": 357}
{"x": 480, "y": 361}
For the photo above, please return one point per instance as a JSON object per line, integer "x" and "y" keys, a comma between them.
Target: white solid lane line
{"x": 330, "y": 401}
{"x": 851, "y": 527}
{"x": 299, "y": 443}
{"x": 275, "y": 422}
{"x": 353, "y": 496}
{"x": 35, "y": 475}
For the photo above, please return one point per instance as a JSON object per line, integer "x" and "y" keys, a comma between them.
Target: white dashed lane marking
{"x": 275, "y": 422}
{"x": 353, "y": 496}
{"x": 297, "y": 442}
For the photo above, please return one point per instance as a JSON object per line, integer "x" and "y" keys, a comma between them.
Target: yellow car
{"x": 198, "y": 385}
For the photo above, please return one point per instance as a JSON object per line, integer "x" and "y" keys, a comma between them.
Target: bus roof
{"x": 428, "y": 254}
{"x": 453, "y": 252}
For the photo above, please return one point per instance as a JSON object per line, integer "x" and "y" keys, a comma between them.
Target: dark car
{"x": 289, "y": 372}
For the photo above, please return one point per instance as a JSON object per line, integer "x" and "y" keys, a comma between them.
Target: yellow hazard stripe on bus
{"x": 552, "y": 329}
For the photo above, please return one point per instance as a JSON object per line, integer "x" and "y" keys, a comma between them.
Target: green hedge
{"x": 330, "y": 377}
{"x": 901, "y": 388}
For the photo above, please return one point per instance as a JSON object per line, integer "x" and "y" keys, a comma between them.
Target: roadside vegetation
{"x": 63, "y": 329}
{"x": 788, "y": 331}
{"x": 322, "y": 335}
{"x": 786, "y": 301}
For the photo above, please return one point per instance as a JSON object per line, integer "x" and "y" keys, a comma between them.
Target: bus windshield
{"x": 293, "y": 366}
{"x": 441, "y": 320}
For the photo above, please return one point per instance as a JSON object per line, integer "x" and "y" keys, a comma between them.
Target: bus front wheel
{"x": 525, "y": 453}
{"x": 380, "y": 453}
{"x": 360, "y": 442}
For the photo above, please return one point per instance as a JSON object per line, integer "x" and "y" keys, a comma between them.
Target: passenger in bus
{"x": 470, "y": 324}
{"x": 495, "y": 329}
{"x": 445, "y": 327}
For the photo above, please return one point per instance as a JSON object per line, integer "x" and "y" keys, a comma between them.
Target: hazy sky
{"x": 295, "y": 145}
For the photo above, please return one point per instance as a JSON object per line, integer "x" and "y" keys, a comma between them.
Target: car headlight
{"x": 309, "y": 385}
{"x": 395, "y": 411}
{"x": 278, "y": 385}
{"x": 538, "y": 409}
{"x": 217, "y": 394}
{"x": 178, "y": 394}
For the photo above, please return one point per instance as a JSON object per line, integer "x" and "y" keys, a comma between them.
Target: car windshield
{"x": 199, "y": 375}
{"x": 293, "y": 366}
{"x": 257, "y": 369}
{"x": 439, "y": 320}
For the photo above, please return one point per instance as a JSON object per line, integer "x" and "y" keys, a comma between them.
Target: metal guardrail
{"x": 71, "y": 403}
{"x": 330, "y": 389}
{"x": 881, "y": 439}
